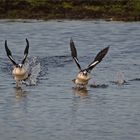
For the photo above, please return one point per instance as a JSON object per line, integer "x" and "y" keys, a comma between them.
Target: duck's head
{"x": 84, "y": 72}
{"x": 19, "y": 66}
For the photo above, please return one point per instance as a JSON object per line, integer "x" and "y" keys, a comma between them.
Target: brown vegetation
{"x": 126, "y": 10}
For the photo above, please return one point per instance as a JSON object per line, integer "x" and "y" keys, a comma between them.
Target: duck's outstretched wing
{"x": 25, "y": 52}
{"x": 98, "y": 59}
{"x": 74, "y": 53}
{"x": 9, "y": 54}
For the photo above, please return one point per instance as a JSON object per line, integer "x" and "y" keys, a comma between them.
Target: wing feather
{"x": 26, "y": 51}
{"x": 74, "y": 53}
{"x": 9, "y": 54}
{"x": 98, "y": 58}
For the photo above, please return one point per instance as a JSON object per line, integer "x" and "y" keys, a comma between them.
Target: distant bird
{"x": 19, "y": 72}
{"x": 83, "y": 76}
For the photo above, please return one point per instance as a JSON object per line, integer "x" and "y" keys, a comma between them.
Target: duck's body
{"x": 82, "y": 79}
{"x": 83, "y": 76}
{"x": 19, "y": 72}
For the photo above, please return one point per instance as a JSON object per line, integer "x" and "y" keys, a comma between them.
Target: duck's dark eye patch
{"x": 84, "y": 72}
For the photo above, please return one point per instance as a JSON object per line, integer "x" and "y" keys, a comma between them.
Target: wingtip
{"x": 27, "y": 41}
{"x": 108, "y": 47}
{"x": 6, "y": 48}
{"x": 5, "y": 43}
{"x": 27, "y": 46}
{"x": 71, "y": 40}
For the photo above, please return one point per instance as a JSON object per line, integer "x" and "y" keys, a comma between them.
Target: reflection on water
{"x": 82, "y": 92}
{"x": 20, "y": 93}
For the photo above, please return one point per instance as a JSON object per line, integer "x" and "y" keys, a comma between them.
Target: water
{"x": 51, "y": 108}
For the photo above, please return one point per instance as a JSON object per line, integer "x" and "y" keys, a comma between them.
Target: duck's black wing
{"x": 74, "y": 53}
{"x": 98, "y": 59}
{"x": 9, "y": 54}
{"x": 26, "y": 51}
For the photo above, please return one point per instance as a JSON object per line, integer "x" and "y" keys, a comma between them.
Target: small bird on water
{"x": 19, "y": 72}
{"x": 83, "y": 75}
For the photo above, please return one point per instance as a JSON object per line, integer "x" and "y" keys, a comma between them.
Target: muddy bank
{"x": 123, "y": 10}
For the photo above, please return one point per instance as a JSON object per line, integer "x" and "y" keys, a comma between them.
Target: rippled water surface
{"x": 52, "y": 109}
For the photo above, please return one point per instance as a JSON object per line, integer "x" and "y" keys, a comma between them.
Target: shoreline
{"x": 58, "y": 20}
{"x": 108, "y": 10}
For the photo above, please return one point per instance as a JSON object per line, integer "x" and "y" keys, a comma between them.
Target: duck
{"x": 19, "y": 72}
{"x": 83, "y": 76}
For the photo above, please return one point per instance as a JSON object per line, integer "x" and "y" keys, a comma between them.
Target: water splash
{"x": 120, "y": 78}
{"x": 33, "y": 67}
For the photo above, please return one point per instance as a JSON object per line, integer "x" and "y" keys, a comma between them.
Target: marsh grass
{"x": 126, "y": 10}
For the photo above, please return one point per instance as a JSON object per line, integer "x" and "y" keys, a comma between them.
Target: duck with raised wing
{"x": 83, "y": 76}
{"x": 19, "y": 72}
